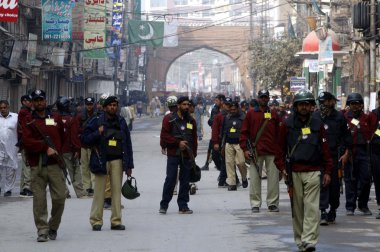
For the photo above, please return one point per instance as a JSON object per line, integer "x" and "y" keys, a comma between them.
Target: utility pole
{"x": 372, "y": 47}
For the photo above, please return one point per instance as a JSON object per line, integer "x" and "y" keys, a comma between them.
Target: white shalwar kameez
{"x": 8, "y": 150}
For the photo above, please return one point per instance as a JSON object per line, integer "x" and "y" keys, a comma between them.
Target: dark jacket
{"x": 252, "y": 124}
{"x": 338, "y": 135}
{"x": 291, "y": 126}
{"x": 361, "y": 133}
{"x": 170, "y": 140}
{"x": 232, "y": 126}
{"x": 71, "y": 140}
{"x": 33, "y": 142}
{"x": 22, "y": 114}
{"x": 375, "y": 123}
{"x": 91, "y": 137}
{"x": 216, "y": 129}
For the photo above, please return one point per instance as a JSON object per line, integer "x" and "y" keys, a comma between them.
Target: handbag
{"x": 96, "y": 164}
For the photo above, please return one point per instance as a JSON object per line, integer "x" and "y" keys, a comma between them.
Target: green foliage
{"x": 273, "y": 63}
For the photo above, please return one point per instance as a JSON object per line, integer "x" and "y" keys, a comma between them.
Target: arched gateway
{"x": 232, "y": 41}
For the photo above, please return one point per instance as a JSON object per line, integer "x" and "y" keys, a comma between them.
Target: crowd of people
{"x": 310, "y": 144}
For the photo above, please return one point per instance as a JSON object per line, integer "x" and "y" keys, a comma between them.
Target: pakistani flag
{"x": 151, "y": 33}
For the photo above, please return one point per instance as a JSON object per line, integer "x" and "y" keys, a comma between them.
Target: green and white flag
{"x": 152, "y": 33}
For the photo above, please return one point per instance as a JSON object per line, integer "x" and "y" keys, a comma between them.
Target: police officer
{"x": 84, "y": 117}
{"x": 42, "y": 159}
{"x": 303, "y": 140}
{"x": 375, "y": 150}
{"x": 218, "y": 142}
{"x": 233, "y": 153}
{"x": 260, "y": 128}
{"x": 71, "y": 145}
{"x": 179, "y": 135}
{"x": 357, "y": 176}
{"x": 215, "y": 155}
{"x": 111, "y": 154}
{"x": 340, "y": 142}
{"x": 25, "y": 177}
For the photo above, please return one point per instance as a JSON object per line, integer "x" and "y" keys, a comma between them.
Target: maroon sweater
{"x": 33, "y": 141}
{"x": 170, "y": 142}
{"x": 269, "y": 138}
{"x": 327, "y": 162}
{"x": 71, "y": 142}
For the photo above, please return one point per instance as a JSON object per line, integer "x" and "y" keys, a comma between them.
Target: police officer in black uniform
{"x": 340, "y": 142}
{"x": 375, "y": 150}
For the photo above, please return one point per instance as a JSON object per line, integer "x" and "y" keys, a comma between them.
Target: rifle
{"x": 49, "y": 142}
{"x": 289, "y": 181}
{"x": 253, "y": 156}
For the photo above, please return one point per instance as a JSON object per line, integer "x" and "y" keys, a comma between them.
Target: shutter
{"x": 4, "y": 89}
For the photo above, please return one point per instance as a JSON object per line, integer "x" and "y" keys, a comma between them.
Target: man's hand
{"x": 284, "y": 174}
{"x": 101, "y": 129}
{"x": 163, "y": 151}
{"x": 76, "y": 155}
{"x": 216, "y": 147}
{"x": 326, "y": 180}
{"x": 51, "y": 152}
{"x": 247, "y": 155}
{"x": 128, "y": 172}
{"x": 344, "y": 159}
{"x": 183, "y": 145}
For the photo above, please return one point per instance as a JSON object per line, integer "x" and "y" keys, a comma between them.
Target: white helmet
{"x": 171, "y": 101}
{"x": 103, "y": 97}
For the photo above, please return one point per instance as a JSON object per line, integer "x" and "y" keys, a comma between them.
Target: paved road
{"x": 222, "y": 220}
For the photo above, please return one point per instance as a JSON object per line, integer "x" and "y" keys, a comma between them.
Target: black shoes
{"x": 42, "y": 238}
{"x": 255, "y": 209}
{"x": 193, "y": 189}
{"x": 162, "y": 210}
{"x": 52, "y": 234}
{"x": 26, "y": 193}
{"x": 331, "y": 216}
{"x": 273, "y": 208}
{"x": 185, "y": 210}
{"x": 365, "y": 211}
{"x": 90, "y": 192}
{"x": 324, "y": 221}
{"x": 232, "y": 188}
{"x": 118, "y": 227}
{"x": 8, "y": 194}
{"x": 245, "y": 183}
{"x": 96, "y": 227}
{"x": 222, "y": 184}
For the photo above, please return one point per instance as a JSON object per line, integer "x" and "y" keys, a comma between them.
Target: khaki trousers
{"x": 234, "y": 155}
{"x": 25, "y": 177}
{"x": 75, "y": 174}
{"x": 51, "y": 176}
{"x": 115, "y": 172}
{"x": 88, "y": 178}
{"x": 108, "y": 191}
{"x": 306, "y": 219}
{"x": 272, "y": 182}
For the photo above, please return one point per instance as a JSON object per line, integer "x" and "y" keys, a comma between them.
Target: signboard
{"x": 32, "y": 49}
{"x": 77, "y": 14}
{"x": 313, "y": 66}
{"x": 8, "y": 10}
{"x": 297, "y": 83}
{"x": 326, "y": 55}
{"x": 94, "y": 26}
{"x": 56, "y": 20}
{"x": 117, "y": 24}
{"x": 16, "y": 54}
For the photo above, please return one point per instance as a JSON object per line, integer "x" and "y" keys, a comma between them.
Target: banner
{"x": 297, "y": 83}
{"x": 8, "y": 10}
{"x": 146, "y": 32}
{"x": 325, "y": 55}
{"x": 57, "y": 20}
{"x": 170, "y": 34}
{"x": 117, "y": 24}
{"x": 77, "y": 14}
{"x": 94, "y": 27}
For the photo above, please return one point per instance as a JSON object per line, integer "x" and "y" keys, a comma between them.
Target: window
{"x": 158, "y": 3}
{"x": 181, "y": 2}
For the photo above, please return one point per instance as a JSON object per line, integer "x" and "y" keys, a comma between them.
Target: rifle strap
{"x": 260, "y": 132}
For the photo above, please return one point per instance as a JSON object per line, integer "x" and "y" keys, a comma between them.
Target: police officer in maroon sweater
{"x": 45, "y": 170}
{"x": 179, "y": 135}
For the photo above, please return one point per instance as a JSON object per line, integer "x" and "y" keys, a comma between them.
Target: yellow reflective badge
{"x": 49, "y": 122}
{"x": 355, "y": 121}
{"x": 377, "y": 132}
{"x": 267, "y": 115}
{"x": 189, "y": 126}
{"x": 306, "y": 131}
{"x": 233, "y": 130}
{"x": 112, "y": 142}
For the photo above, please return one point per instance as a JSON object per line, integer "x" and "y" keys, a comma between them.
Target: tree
{"x": 273, "y": 63}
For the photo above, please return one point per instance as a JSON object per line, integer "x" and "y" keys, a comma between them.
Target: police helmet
{"x": 263, "y": 92}
{"x": 303, "y": 95}
{"x": 102, "y": 98}
{"x": 171, "y": 101}
{"x": 354, "y": 97}
{"x": 129, "y": 191}
{"x": 63, "y": 104}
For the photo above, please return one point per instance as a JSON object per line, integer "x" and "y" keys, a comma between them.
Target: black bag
{"x": 195, "y": 173}
{"x": 96, "y": 165}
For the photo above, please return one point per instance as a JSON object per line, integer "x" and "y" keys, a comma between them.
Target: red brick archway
{"x": 231, "y": 41}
